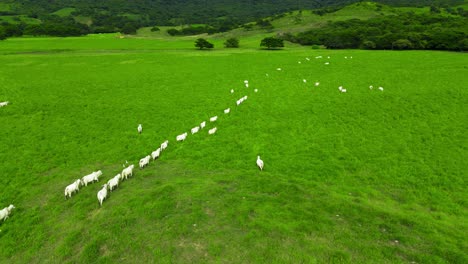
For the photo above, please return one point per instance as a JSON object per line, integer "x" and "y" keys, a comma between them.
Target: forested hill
{"x": 174, "y": 12}
{"x": 81, "y": 17}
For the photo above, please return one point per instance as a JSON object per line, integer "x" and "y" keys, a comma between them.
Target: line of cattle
{"x": 128, "y": 171}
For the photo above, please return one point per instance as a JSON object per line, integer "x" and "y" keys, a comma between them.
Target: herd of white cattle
{"x": 340, "y": 88}
{"x": 128, "y": 171}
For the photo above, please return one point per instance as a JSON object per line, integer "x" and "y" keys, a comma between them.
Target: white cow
{"x": 5, "y": 212}
{"x": 212, "y": 131}
{"x": 114, "y": 182}
{"x": 127, "y": 172}
{"x": 155, "y": 154}
{"x": 317, "y": 84}
{"x": 72, "y": 188}
{"x": 164, "y": 145}
{"x": 214, "y": 118}
{"x": 202, "y": 124}
{"x": 140, "y": 128}
{"x": 195, "y": 130}
{"x": 102, "y": 194}
{"x": 144, "y": 161}
{"x": 92, "y": 177}
{"x": 2, "y": 104}
{"x": 259, "y": 163}
{"x": 232, "y": 90}
{"x": 181, "y": 137}
{"x": 381, "y": 88}
{"x": 226, "y": 111}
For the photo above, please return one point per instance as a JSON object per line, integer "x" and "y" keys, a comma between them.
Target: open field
{"x": 358, "y": 177}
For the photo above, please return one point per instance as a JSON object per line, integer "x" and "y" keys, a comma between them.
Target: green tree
{"x": 155, "y": 28}
{"x": 202, "y": 43}
{"x": 434, "y": 9}
{"x": 462, "y": 44}
{"x": 368, "y": 44}
{"x": 3, "y": 34}
{"x": 402, "y": 44}
{"x": 129, "y": 28}
{"x": 272, "y": 42}
{"x": 263, "y": 23}
{"x": 231, "y": 43}
{"x": 173, "y": 32}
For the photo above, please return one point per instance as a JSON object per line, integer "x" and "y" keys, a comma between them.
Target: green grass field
{"x": 357, "y": 177}
{"x": 64, "y": 11}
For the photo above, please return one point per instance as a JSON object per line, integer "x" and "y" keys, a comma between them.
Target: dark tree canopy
{"x": 3, "y": 34}
{"x": 272, "y": 42}
{"x": 405, "y": 31}
{"x": 231, "y": 43}
{"x": 202, "y": 43}
{"x": 129, "y": 28}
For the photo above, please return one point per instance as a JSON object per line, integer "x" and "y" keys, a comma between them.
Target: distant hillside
{"x": 191, "y": 17}
{"x": 366, "y": 25}
{"x": 177, "y": 12}
{"x": 304, "y": 20}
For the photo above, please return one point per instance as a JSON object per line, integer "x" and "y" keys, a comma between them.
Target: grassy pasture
{"x": 5, "y": 7}
{"x": 19, "y": 19}
{"x": 64, "y": 11}
{"x": 366, "y": 176}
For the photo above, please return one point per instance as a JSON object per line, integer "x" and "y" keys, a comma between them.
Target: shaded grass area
{"x": 365, "y": 176}
{"x": 19, "y": 19}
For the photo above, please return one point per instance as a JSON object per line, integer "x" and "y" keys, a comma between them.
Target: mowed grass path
{"x": 366, "y": 176}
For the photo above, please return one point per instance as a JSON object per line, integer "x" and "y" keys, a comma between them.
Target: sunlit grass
{"x": 365, "y": 176}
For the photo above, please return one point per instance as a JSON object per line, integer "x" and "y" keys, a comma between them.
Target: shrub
{"x": 173, "y": 32}
{"x": 272, "y": 42}
{"x": 231, "y": 43}
{"x": 202, "y": 43}
{"x": 368, "y": 44}
{"x": 129, "y": 28}
{"x": 402, "y": 44}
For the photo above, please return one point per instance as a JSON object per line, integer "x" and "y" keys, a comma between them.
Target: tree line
{"x": 268, "y": 43}
{"x": 406, "y": 31}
